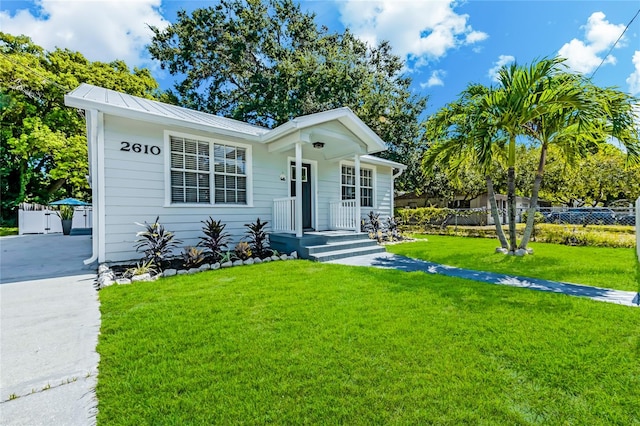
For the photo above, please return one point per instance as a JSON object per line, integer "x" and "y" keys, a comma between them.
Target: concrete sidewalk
{"x": 402, "y": 263}
{"x": 49, "y": 324}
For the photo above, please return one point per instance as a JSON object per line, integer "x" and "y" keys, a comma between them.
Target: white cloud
{"x": 584, "y": 56}
{"x": 502, "y": 61}
{"x": 421, "y": 31}
{"x": 634, "y": 78}
{"x": 436, "y": 79}
{"x": 102, "y": 30}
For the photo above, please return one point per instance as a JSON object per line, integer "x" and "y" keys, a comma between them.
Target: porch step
{"x": 340, "y": 245}
{"x": 326, "y": 256}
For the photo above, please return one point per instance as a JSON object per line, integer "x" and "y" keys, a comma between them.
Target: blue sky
{"x": 447, "y": 44}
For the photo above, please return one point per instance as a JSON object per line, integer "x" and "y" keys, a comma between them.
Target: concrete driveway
{"x": 49, "y": 324}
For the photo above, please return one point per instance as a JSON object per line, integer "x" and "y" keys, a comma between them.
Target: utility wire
{"x": 614, "y": 44}
{"x": 48, "y": 80}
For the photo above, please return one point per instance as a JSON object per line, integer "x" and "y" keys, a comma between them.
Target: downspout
{"x": 92, "y": 137}
{"x": 393, "y": 190}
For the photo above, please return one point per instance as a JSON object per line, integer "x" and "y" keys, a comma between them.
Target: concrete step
{"x": 341, "y": 254}
{"x": 340, "y": 245}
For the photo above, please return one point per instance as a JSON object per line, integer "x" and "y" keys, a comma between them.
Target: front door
{"x": 306, "y": 192}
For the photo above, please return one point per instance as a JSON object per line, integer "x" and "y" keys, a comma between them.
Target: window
{"x": 192, "y": 176}
{"x": 190, "y": 171}
{"x": 348, "y": 186}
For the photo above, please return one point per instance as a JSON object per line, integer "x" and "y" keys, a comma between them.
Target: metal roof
{"x": 89, "y": 96}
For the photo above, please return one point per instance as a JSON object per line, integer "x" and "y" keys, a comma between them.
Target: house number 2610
{"x": 139, "y": 148}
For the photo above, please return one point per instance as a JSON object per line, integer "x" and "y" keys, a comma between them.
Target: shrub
{"x": 215, "y": 238}
{"x": 258, "y": 238}
{"x": 372, "y": 225}
{"x": 242, "y": 250}
{"x": 66, "y": 212}
{"x": 141, "y": 268}
{"x": 192, "y": 257}
{"x": 155, "y": 242}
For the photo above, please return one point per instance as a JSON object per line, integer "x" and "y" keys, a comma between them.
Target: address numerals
{"x": 139, "y": 148}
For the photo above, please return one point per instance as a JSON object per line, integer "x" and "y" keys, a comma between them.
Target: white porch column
{"x": 358, "y": 200}
{"x": 298, "y": 189}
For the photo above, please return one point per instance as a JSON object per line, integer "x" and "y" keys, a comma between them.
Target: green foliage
{"x": 192, "y": 257}
{"x": 215, "y": 238}
{"x": 590, "y": 235}
{"x": 308, "y": 343}
{"x": 242, "y": 250}
{"x": 43, "y": 147}
{"x": 266, "y": 62}
{"x": 4, "y": 231}
{"x": 66, "y": 212}
{"x": 156, "y": 242}
{"x": 148, "y": 267}
{"x": 258, "y": 238}
{"x": 430, "y": 217}
{"x": 372, "y": 224}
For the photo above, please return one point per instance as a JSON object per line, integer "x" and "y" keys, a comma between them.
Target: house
{"x": 480, "y": 205}
{"x": 151, "y": 159}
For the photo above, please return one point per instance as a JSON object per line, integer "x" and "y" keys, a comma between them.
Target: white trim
{"x": 370, "y": 159}
{"x": 212, "y": 142}
{"x": 92, "y": 134}
{"x": 314, "y": 187}
{"x": 101, "y": 213}
{"x": 298, "y": 200}
{"x": 374, "y": 178}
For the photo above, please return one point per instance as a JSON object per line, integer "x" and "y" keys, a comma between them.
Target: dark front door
{"x": 306, "y": 192}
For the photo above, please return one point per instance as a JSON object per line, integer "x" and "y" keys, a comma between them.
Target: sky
{"x": 446, "y": 44}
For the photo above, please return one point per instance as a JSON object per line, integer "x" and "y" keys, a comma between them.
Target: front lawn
{"x": 5, "y": 231}
{"x": 308, "y": 343}
{"x": 599, "y": 266}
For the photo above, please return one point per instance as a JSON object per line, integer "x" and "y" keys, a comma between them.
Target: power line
{"x": 614, "y": 44}
{"x": 48, "y": 80}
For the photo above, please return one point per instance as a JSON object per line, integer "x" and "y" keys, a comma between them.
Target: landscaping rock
{"x": 274, "y": 257}
{"x": 226, "y": 265}
{"x": 237, "y": 263}
{"x": 294, "y": 255}
{"x": 141, "y": 277}
{"x": 215, "y": 266}
{"x": 104, "y": 281}
{"x": 284, "y": 257}
{"x": 257, "y": 260}
{"x": 182, "y": 271}
{"x": 204, "y": 267}
{"x": 521, "y": 252}
{"x": 103, "y": 268}
{"x": 123, "y": 281}
{"x": 266, "y": 260}
{"x": 529, "y": 250}
{"x": 502, "y": 250}
{"x": 192, "y": 271}
{"x": 169, "y": 272}
{"x": 249, "y": 261}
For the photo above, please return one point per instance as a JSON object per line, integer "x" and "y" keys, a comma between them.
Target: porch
{"x": 325, "y": 245}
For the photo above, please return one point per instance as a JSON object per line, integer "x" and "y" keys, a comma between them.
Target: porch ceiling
{"x": 341, "y": 131}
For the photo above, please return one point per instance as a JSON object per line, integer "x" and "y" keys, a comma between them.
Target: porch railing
{"x": 343, "y": 215}
{"x": 284, "y": 215}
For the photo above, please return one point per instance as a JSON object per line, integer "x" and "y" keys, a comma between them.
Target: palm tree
{"x": 583, "y": 117}
{"x": 462, "y": 132}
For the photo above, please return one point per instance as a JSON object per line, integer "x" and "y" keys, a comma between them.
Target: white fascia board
{"x": 86, "y": 104}
{"x": 370, "y": 159}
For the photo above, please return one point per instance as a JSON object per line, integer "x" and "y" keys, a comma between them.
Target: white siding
{"x": 135, "y": 188}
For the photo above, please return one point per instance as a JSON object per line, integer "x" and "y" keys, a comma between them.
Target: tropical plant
{"x": 242, "y": 250}
{"x": 258, "y": 238}
{"x": 66, "y": 212}
{"x": 192, "y": 257}
{"x": 155, "y": 242}
{"x": 372, "y": 225}
{"x": 215, "y": 238}
{"x": 141, "y": 268}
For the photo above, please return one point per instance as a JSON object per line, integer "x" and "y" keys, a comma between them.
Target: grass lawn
{"x": 599, "y": 266}
{"x": 307, "y": 343}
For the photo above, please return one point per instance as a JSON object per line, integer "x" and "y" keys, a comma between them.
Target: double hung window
{"x": 348, "y": 185}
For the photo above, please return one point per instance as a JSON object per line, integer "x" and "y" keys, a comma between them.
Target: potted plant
{"x": 66, "y": 214}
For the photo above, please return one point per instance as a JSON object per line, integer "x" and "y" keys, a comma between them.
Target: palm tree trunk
{"x": 511, "y": 194}
{"x": 494, "y": 214}
{"x": 534, "y": 198}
